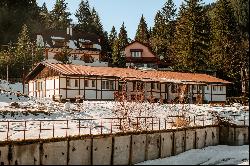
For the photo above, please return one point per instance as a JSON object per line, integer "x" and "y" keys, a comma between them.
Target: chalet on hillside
{"x": 81, "y": 46}
{"x": 138, "y": 54}
{"x": 67, "y": 81}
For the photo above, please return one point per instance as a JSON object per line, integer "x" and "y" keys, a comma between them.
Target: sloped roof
{"x": 126, "y": 73}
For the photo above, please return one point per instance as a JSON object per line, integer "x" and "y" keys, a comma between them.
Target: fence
{"x": 36, "y": 129}
{"x": 117, "y": 149}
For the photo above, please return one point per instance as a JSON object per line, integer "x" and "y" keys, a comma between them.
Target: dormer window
{"x": 136, "y": 53}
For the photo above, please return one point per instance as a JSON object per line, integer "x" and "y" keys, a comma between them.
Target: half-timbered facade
{"x": 62, "y": 82}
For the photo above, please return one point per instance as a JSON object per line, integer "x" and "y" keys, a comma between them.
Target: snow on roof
{"x": 57, "y": 38}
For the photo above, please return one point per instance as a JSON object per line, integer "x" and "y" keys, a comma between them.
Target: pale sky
{"x": 114, "y": 12}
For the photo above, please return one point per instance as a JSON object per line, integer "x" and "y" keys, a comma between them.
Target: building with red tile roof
{"x": 70, "y": 81}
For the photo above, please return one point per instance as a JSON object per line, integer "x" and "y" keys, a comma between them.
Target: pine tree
{"x": 23, "y": 52}
{"x": 226, "y": 52}
{"x": 112, "y": 36}
{"x": 142, "y": 34}
{"x": 45, "y": 16}
{"x": 15, "y": 13}
{"x": 122, "y": 36}
{"x": 83, "y": 14}
{"x": 118, "y": 46}
{"x": 96, "y": 25}
{"x": 63, "y": 56}
{"x": 162, "y": 33}
{"x": 59, "y": 16}
{"x": 111, "y": 40}
{"x": 191, "y": 37}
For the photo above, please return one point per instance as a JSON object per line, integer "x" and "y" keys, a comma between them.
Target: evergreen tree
{"x": 191, "y": 39}
{"x": 118, "y": 46}
{"x": 45, "y": 16}
{"x": 105, "y": 52}
{"x": 96, "y": 25}
{"x": 59, "y": 16}
{"x": 23, "y": 52}
{"x": 112, "y": 36}
{"x": 226, "y": 48}
{"x": 15, "y": 13}
{"x": 162, "y": 33}
{"x": 122, "y": 36}
{"x": 83, "y": 14}
{"x": 63, "y": 56}
{"x": 142, "y": 34}
{"x": 111, "y": 40}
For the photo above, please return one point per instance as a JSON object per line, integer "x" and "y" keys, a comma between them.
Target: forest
{"x": 198, "y": 37}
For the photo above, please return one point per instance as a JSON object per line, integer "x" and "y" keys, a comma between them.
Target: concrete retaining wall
{"x": 190, "y": 140}
{"x": 102, "y": 148}
{"x": 26, "y": 154}
{"x": 119, "y": 150}
{"x": 201, "y": 136}
{"x": 4, "y": 150}
{"x": 54, "y": 153}
{"x": 179, "y": 142}
{"x": 241, "y": 136}
{"x": 153, "y": 146}
{"x": 80, "y": 152}
{"x": 138, "y": 148}
{"x": 166, "y": 144}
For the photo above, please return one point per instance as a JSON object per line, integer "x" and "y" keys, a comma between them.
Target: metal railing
{"x": 74, "y": 127}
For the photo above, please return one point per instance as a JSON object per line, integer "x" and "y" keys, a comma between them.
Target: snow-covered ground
{"x": 212, "y": 155}
{"x": 63, "y": 115}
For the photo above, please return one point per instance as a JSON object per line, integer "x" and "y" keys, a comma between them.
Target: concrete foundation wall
{"x": 179, "y": 142}
{"x": 166, "y": 144}
{"x": 153, "y": 146}
{"x": 54, "y": 153}
{"x": 138, "y": 148}
{"x": 4, "y": 150}
{"x": 80, "y": 152}
{"x": 241, "y": 136}
{"x": 102, "y": 149}
{"x": 26, "y": 154}
{"x": 121, "y": 150}
{"x": 201, "y": 135}
{"x": 190, "y": 140}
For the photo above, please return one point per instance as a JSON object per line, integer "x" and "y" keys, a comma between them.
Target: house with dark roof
{"x": 138, "y": 54}
{"x": 82, "y": 47}
{"x": 68, "y": 81}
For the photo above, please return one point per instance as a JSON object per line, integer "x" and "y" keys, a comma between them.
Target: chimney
{"x": 69, "y": 30}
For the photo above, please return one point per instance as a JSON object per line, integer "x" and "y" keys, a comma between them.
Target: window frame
{"x": 86, "y": 83}
{"x": 76, "y": 83}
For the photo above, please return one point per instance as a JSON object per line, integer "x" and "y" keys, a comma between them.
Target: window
{"x": 194, "y": 87}
{"x": 86, "y": 83}
{"x": 214, "y": 88}
{"x": 166, "y": 88}
{"x": 68, "y": 82}
{"x": 136, "y": 54}
{"x": 152, "y": 85}
{"x": 221, "y": 88}
{"x": 134, "y": 84}
{"x": 207, "y": 87}
{"x": 76, "y": 83}
{"x": 93, "y": 83}
{"x": 108, "y": 85}
{"x": 174, "y": 88}
{"x": 158, "y": 86}
{"x": 140, "y": 86}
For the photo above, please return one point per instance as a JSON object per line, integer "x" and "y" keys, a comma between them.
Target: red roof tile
{"x": 163, "y": 76}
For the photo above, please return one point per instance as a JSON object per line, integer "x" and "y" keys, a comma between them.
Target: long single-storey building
{"x": 67, "y": 81}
